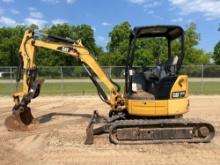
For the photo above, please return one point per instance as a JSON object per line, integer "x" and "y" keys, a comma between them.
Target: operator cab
{"x": 162, "y": 45}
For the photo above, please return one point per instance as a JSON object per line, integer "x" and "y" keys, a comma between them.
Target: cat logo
{"x": 65, "y": 49}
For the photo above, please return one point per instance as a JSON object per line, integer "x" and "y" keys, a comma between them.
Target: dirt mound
{"x": 60, "y": 134}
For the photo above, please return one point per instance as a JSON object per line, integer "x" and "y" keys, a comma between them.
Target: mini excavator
{"x": 154, "y": 100}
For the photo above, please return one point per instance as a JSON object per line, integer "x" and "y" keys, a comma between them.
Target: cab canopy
{"x": 171, "y": 32}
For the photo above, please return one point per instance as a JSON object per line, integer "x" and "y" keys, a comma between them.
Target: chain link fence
{"x": 73, "y": 80}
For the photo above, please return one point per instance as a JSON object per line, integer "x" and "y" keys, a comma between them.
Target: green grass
{"x": 85, "y": 88}
{"x": 206, "y": 88}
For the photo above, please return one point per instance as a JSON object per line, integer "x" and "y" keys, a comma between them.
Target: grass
{"x": 86, "y": 88}
{"x": 206, "y": 88}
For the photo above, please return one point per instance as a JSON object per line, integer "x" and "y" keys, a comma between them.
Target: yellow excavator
{"x": 150, "y": 109}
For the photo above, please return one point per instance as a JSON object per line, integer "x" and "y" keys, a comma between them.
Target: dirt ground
{"x": 59, "y": 138}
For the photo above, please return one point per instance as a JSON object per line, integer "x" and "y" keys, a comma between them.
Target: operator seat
{"x": 165, "y": 83}
{"x": 170, "y": 65}
{"x": 160, "y": 71}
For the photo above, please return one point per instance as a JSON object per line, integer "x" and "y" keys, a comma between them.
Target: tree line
{"x": 115, "y": 52}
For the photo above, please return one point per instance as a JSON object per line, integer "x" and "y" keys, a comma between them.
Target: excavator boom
{"x": 31, "y": 84}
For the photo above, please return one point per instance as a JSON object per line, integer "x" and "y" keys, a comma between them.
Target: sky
{"x": 103, "y": 15}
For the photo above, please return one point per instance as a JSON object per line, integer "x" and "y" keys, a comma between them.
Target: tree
{"x": 83, "y": 32}
{"x": 52, "y": 58}
{"x": 117, "y": 46}
{"x": 119, "y": 37}
{"x": 86, "y": 34}
{"x": 216, "y": 54}
{"x": 147, "y": 48}
{"x": 10, "y": 39}
{"x": 194, "y": 55}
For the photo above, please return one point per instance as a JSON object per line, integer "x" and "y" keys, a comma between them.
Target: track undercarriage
{"x": 149, "y": 131}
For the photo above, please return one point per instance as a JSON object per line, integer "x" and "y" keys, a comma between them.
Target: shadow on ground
{"x": 48, "y": 117}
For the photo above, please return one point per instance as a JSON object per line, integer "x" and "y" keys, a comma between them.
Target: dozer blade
{"x": 91, "y": 131}
{"x": 21, "y": 121}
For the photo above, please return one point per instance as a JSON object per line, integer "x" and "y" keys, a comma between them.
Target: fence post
{"x": 61, "y": 76}
{"x": 202, "y": 79}
{"x": 110, "y": 71}
{"x": 11, "y": 79}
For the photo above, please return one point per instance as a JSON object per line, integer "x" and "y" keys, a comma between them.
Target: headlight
{"x": 178, "y": 94}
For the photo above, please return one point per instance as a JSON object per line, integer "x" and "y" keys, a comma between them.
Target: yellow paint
{"x": 170, "y": 107}
{"x": 181, "y": 84}
{"x": 141, "y": 107}
{"x": 161, "y": 108}
{"x": 28, "y": 49}
{"x": 178, "y": 106}
{"x": 155, "y": 108}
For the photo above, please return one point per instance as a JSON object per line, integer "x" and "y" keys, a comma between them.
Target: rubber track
{"x": 161, "y": 123}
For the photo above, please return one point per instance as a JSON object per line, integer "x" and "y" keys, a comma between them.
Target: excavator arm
{"x": 28, "y": 49}
{"x": 31, "y": 84}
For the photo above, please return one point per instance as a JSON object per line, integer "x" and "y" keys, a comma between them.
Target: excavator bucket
{"x": 20, "y": 121}
{"x": 21, "y": 118}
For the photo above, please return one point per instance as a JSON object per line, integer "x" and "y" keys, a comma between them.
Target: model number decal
{"x": 180, "y": 94}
